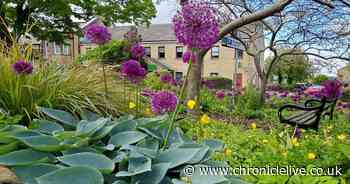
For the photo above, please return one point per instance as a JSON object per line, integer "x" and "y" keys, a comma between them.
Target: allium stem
{"x": 173, "y": 116}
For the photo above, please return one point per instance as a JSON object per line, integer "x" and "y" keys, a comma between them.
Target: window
{"x": 56, "y": 48}
{"x": 178, "y": 76}
{"x": 148, "y": 51}
{"x": 179, "y": 51}
{"x": 215, "y": 52}
{"x": 214, "y": 74}
{"x": 239, "y": 53}
{"x": 66, "y": 49}
{"x": 161, "y": 52}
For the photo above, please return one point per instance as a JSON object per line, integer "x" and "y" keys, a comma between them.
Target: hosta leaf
{"x": 128, "y": 137}
{"x": 177, "y": 156}
{"x": 79, "y": 150}
{"x": 46, "y": 126}
{"x": 26, "y": 133}
{"x": 144, "y": 151}
{"x": 125, "y": 125}
{"x": 6, "y": 148}
{"x": 70, "y": 175}
{"x": 120, "y": 182}
{"x": 214, "y": 144}
{"x": 42, "y": 143}
{"x": 27, "y": 174}
{"x": 155, "y": 176}
{"x": 176, "y": 181}
{"x": 24, "y": 157}
{"x": 61, "y": 116}
{"x": 103, "y": 132}
{"x": 89, "y": 116}
{"x": 136, "y": 166}
{"x": 98, "y": 161}
{"x": 89, "y": 128}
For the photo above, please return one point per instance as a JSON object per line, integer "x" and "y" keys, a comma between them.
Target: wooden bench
{"x": 329, "y": 106}
{"x": 307, "y": 116}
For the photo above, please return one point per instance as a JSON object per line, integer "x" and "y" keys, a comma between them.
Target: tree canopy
{"x": 53, "y": 19}
{"x": 291, "y": 68}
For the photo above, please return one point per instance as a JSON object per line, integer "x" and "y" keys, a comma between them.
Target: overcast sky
{"x": 165, "y": 11}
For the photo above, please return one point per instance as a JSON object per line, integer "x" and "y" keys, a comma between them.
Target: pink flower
{"x": 220, "y": 95}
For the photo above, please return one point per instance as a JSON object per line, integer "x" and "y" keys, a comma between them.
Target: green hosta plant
{"x": 64, "y": 148}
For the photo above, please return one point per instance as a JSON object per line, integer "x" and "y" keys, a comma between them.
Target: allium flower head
{"x": 196, "y": 25}
{"x": 220, "y": 95}
{"x": 22, "y": 67}
{"x": 138, "y": 51}
{"x": 166, "y": 78}
{"x": 133, "y": 71}
{"x": 187, "y": 56}
{"x": 98, "y": 34}
{"x": 163, "y": 102}
{"x": 332, "y": 89}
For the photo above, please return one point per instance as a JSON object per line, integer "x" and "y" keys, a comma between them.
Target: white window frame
{"x": 215, "y": 53}
{"x": 66, "y": 49}
{"x": 57, "y": 49}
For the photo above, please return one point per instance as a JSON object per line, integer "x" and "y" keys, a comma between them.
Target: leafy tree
{"x": 291, "y": 68}
{"x": 319, "y": 79}
{"x": 53, "y": 19}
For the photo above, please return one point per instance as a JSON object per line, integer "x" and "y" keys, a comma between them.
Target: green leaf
{"x": 128, "y": 137}
{"x": 177, "y": 156}
{"x": 46, "y": 126}
{"x": 6, "y": 148}
{"x": 24, "y": 157}
{"x": 345, "y": 149}
{"x": 76, "y": 175}
{"x": 89, "y": 116}
{"x": 104, "y": 131}
{"x": 98, "y": 161}
{"x": 87, "y": 128}
{"x": 61, "y": 116}
{"x": 155, "y": 176}
{"x": 79, "y": 150}
{"x": 42, "y": 143}
{"x": 27, "y": 174}
{"x": 144, "y": 151}
{"x": 136, "y": 166}
{"x": 124, "y": 125}
{"x": 214, "y": 144}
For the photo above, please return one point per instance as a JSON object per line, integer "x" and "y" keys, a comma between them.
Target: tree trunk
{"x": 264, "y": 81}
{"x": 194, "y": 81}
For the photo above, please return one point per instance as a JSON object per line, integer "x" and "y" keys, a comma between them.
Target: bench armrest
{"x": 302, "y": 108}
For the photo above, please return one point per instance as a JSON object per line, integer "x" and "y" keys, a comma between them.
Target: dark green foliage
{"x": 53, "y": 19}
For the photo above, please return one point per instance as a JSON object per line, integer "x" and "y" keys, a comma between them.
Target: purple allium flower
{"x": 133, "y": 71}
{"x": 220, "y": 95}
{"x": 196, "y": 25}
{"x": 210, "y": 84}
{"x": 163, "y": 102}
{"x": 284, "y": 94}
{"x": 332, "y": 89}
{"x": 297, "y": 133}
{"x": 166, "y": 78}
{"x": 187, "y": 56}
{"x": 22, "y": 67}
{"x": 138, "y": 51}
{"x": 98, "y": 34}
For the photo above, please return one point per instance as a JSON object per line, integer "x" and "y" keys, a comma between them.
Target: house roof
{"x": 153, "y": 33}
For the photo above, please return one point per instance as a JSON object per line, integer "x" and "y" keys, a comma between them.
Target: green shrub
{"x": 248, "y": 101}
{"x": 112, "y": 52}
{"x": 96, "y": 150}
{"x": 218, "y": 83}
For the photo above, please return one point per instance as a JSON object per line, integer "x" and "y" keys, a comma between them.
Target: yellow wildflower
{"x": 285, "y": 153}
{"x": 311, "y": 156}
{"x": 302, "y": 130}
{"x": 265, "y": 141}
{"x": 191, "y": 104}
{"x": 341, "y": 137}
{"x": 204, "y": 119}
{"x": 132, "y": 105}
{"x": 253, "y": 126}
{"x": 295, "y": 142}
{"x": 228, "y": 152}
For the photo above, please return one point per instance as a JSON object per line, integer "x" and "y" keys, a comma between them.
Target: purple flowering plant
{"x": 133, "y": 71}
{"x": 332, "y": 89}
{"x": 220, "y": 94}
{"x": 22, "y": 67}
{"x": 164, "y": 102}
{"x": 137, "y": 51}
{"x": 98, "y": 34}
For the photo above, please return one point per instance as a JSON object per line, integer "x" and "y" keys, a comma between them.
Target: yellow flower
{"x": 341, "y": 137}
{"x": 132, "y": 105}
{"x": 285, "y": 154}
{"x": 148, "y": 111}
{"x": 330, "y": 127}
{"x": 265, "y": 141}
{"x": 253, "y": 126}
{"x": 228, "y": 152}
{"x": 204, "y": 119}
{"x": 295, "y": 142}
{"x": 191, "y": 104}
{"x": 302, "y": 130}
{"x": 311, "y": 156}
